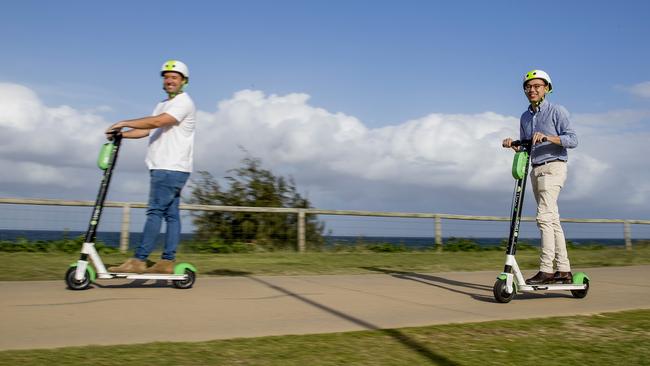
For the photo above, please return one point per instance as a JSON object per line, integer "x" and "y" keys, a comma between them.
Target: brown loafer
{"x": 162, "y": 266}
{"x": 562, "y": 277}
{"x": 540, "y": 278}
{"x": 132, "y": 265}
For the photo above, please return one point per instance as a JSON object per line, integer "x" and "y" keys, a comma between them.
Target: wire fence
{"x": 121, "y": 225}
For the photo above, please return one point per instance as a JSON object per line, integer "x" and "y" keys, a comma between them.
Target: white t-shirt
{"x": 172, "y": 147}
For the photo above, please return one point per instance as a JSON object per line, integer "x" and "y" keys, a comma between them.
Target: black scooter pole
{"x": 103, "y": 190}
{"x": 518, "y": 202}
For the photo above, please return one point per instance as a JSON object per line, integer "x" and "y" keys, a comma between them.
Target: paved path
{"x": 43, "y": 314}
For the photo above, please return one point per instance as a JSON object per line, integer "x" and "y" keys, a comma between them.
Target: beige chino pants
{"x": 547, "y": 181}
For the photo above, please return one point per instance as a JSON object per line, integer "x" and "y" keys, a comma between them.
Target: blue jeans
{"x": 164, "y": 198}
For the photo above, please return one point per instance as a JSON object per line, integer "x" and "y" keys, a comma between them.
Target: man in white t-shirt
{"x": 169, "y": 158}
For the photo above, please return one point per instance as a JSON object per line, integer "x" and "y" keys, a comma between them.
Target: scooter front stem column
{"x": 80, "y": 272}
{"x": 89, "y": 250}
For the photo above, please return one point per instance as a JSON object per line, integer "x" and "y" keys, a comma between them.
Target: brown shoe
{"x": 540, "y": 278}
{"x": 132, "y": 265}
{"x": 562, "y": 277}
{"x": 162, "y": 266}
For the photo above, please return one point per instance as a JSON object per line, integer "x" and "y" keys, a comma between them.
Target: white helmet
{"x": 539, "y": 74}
{"x": 176, "y": 66}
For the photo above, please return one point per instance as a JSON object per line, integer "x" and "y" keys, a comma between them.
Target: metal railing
{"x": 302, "y": 212}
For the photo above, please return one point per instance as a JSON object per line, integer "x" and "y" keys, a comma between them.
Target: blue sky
{"x": 383, "y": 62}
{"x": 383, "y": 70}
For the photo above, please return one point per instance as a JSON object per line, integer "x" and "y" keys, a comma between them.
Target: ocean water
{"x": 113, "y": 239}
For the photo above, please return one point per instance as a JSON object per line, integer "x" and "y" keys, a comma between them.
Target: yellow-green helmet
{"x": 176, "y": 66}
{"x": 539, "y": 74}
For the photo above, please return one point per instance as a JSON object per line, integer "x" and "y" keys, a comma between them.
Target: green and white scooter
{"x": 511, "y": 281}
{"x": 81, "y": 274}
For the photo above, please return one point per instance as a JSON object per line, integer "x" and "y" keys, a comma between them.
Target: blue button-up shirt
{"x": 552, "y": 120}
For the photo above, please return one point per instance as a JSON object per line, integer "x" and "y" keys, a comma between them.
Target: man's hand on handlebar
{"x": 507, "y": 143}
{"x": 538, "y": 137}
{"x": 112, "y": 131}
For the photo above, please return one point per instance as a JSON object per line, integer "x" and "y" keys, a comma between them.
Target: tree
{"x": 251, "y": 185}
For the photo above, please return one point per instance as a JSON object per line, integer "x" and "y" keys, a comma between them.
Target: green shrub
{"x": 46, "y": 246}
{"x": 521, "y": 245}
{"x": 217, "y": 245}
{"x": 342, "y": 247}
{"x": 589, "y": 245}
{"x": 386, "y": 248}
{"x": 461, "y": 245}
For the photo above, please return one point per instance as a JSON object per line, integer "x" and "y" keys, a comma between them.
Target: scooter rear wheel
{"x": 72, "y": 283}
{"x": 580, "y": 294}
{"x": 188, "y": 283}
{"x": 500, "y": 293}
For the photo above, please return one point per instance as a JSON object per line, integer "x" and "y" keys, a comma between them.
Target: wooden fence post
{"x": 126, "y": 225}
{"x": 627, "y": 233}
{"x": 301, "y": 230}
{"x": 438, "y": 232}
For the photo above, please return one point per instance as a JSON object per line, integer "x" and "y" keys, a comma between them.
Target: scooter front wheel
{"x": 579, "y": 294}
{"x": 72, "y": 283}
{"x": 500, "y": 293}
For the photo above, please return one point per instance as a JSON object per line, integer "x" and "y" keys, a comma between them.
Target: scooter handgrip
{"x": 115, "y": 134}
{"x": 520, "y": 142}
{"x": 525, "y": 142}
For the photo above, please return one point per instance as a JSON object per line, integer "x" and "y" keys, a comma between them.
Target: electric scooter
{"x": 80, "y": 274}
{"x": 511, "y": 281}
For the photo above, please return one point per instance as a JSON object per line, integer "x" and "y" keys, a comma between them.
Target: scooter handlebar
{"x": 113, "y": 135}
{"x": 517, "y": 143}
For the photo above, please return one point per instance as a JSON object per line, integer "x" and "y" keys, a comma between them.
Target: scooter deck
{"x": 552, "y": 286}
{"x": 143, "y": 276}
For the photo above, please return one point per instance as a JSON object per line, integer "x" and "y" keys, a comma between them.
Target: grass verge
{"x": 23, "y": 266}
{"x": 603, "y": 339}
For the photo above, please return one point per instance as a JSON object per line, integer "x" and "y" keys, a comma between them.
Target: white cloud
{"x": 33, "y": 172}
{"x": 640, "y": 90}
{"x": 608, "y": 165}
{"x": 20, "y": 108}
{"x": 436, "y": 150}
{"x": 47, "y": 149}
{"x": 613, "y": 121}
{"x": 337, "y": 154}
{"x": 442, "y": 162}
{"x": 35, "y": 131}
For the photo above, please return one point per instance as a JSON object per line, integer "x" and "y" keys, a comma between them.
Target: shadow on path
{"x": 140, "y": 283}
{"x": 227, "y": 272}
{"x": 440, "y": 282}
{"x": 394, "y": 333}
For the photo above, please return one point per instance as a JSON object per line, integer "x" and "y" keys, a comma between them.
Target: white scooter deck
{"x": 142, "y": 276}
{"x": 552, "y": 286}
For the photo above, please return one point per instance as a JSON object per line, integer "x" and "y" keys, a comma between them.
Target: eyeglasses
{"x": 534, "y": 86}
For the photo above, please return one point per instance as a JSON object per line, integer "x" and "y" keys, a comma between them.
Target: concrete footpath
{"x": 44, "y": 314}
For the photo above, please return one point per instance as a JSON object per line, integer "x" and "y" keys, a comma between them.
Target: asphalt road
{"x": 44, "y": 314}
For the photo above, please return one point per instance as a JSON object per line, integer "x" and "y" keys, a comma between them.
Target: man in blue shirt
{"x": 549, "y": 128}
